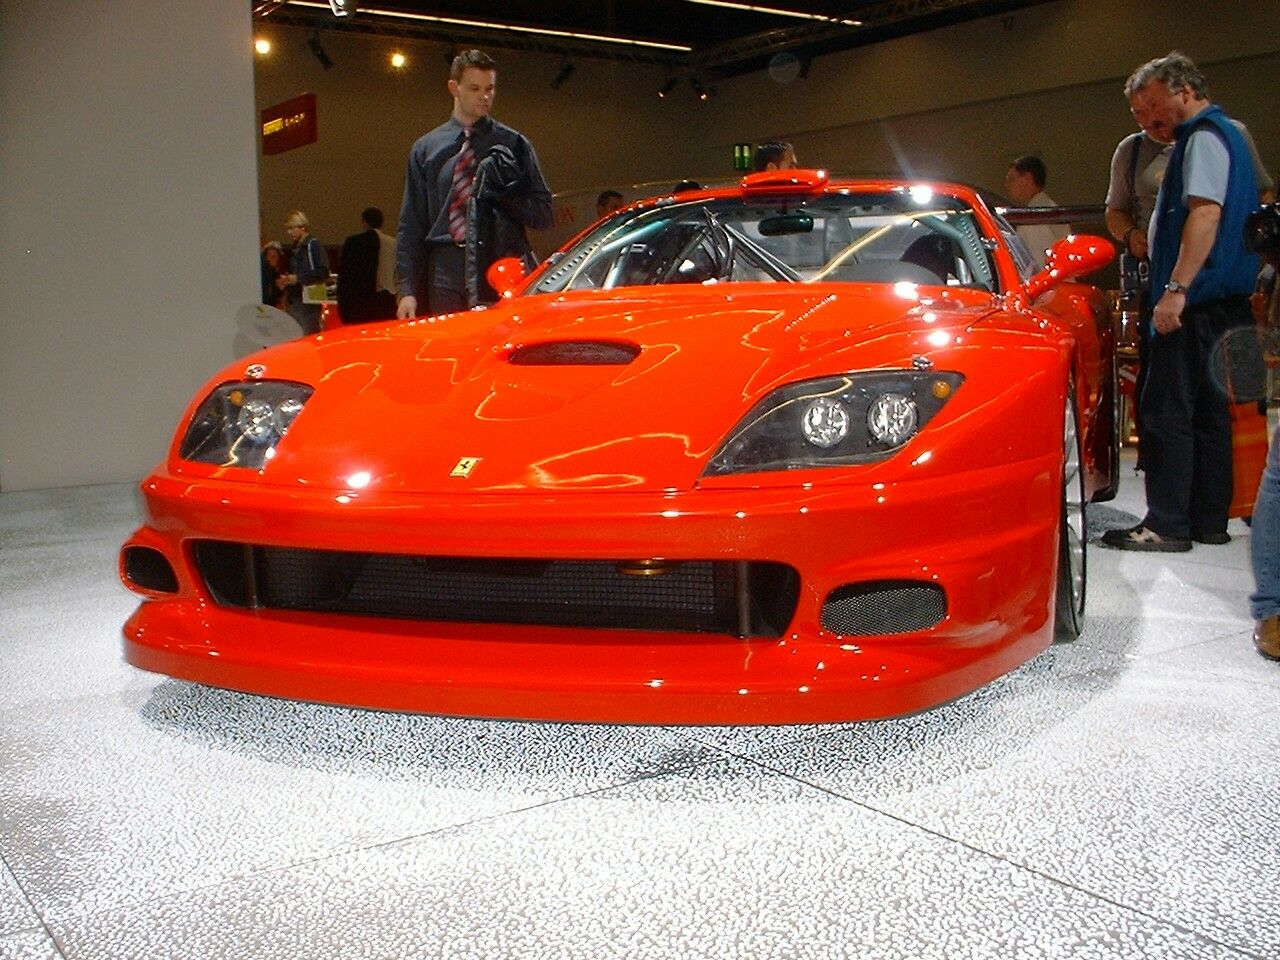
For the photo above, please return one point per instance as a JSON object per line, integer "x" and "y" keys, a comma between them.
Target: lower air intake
{"x": 884, "y": 607}
{"x": 697, "y": 596}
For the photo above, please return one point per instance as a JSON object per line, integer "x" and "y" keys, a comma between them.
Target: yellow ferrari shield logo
{"x": 464, "y": 467}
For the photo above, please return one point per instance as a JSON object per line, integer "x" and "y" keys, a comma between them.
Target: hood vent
{"x": 575, "y": 353}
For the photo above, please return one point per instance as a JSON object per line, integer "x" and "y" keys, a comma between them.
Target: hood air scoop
{"x": 574, "y": 353}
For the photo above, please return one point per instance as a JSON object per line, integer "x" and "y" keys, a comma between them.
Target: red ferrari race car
{"x": 800, "y": 450}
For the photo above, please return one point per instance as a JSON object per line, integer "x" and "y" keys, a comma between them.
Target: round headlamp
{"x": 826, "y": 422}
{"x": 892, "y": 418}
{"x": 257, "y": 421}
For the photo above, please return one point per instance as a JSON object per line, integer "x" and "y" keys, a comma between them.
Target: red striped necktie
{"x": 463, "y": 180}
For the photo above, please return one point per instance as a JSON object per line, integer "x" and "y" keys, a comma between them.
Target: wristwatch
{"x": 1173, "y": 286}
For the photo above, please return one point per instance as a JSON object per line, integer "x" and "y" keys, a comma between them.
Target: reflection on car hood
{"x": 488, "y": 402}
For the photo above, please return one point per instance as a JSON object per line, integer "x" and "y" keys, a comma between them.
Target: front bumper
{"x": 987, "y": 538}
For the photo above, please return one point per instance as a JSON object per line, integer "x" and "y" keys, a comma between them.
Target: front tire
{"x": 1073, "y": 553}
{"x": 1114, "y": 438}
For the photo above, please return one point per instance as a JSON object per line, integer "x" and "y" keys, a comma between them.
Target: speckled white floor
{"x": 1113, "y": 798}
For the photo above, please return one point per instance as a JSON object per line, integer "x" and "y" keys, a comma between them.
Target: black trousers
{"x": 446, "y": 280}
{"x": 1186, "y": 423}
{"x": 1145, "y": 307}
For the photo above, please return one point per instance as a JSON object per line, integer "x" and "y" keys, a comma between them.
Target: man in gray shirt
{"x": 471, "y": 188}
{"x": 1137, "y": 168}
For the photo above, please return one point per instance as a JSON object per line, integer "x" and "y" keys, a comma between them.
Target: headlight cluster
{"x": 834, "y": 421}
{"x": 239, "y": 424}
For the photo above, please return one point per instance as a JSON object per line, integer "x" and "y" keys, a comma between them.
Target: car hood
{"x": 594, "y": 391}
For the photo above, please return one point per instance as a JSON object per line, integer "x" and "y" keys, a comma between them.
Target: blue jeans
{"x": 1264, "y": 544}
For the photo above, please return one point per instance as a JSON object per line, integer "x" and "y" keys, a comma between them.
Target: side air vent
{"x": 148, "y": 569}
{"x": 884, "y": 607}
{"x": 571, "y": 353}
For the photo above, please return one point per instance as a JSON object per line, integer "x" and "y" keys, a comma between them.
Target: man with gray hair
{"x": 1201, "y": 278}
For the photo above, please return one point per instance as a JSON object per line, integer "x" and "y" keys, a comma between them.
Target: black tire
{"x": 1117, "y": 426}
{"x": 1073, "y": 542}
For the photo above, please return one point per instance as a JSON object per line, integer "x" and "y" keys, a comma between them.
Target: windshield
{"x": 885, "y": 237}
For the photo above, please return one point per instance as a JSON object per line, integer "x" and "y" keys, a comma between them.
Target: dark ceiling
{"x": 723, "y": 40}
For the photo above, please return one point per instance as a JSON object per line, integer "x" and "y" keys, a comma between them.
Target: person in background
{"x": 469, "y": 168}
{"x": 1024, "y": 185}
{"x": 273, "y": 264}
{"x": 1262, "y": 234}
{"x": 1201, "y": 277}
{"x": 1137, "y": 168}
{"x": 684, "y": 186}
{"x": 361, "y": 295}
{"x": 308, "y": 263}
{"x": 774, "y": 155}
{"x": 607, "y": 202}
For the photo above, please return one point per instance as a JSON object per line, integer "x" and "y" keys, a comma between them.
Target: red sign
{"x": 290, "y": 124}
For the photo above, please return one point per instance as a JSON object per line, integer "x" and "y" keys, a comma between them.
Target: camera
{"x": 1262, "y": 230}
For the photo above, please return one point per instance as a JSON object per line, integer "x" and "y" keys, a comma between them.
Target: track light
{"x": 565, "y": 73}
{"x": 343, "y": 8}
{"x": 702, "y": 92}
{"x": 313, "y": 43}
{"x": 667, "y": 87}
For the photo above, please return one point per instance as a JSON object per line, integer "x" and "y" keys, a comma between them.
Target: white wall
{"x": 128, "y": 234}
{"x": 962, "y": 101}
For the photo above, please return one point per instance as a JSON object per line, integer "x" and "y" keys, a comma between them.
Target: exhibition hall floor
{"x": 1116, "y": 797}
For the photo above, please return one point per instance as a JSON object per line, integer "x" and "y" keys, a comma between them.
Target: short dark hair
{"x": 1034, "y": 166}
{"x": 1175, "y": 70}
{"x": 606, "y": 195}
{"x": 684, "y": 185}
{"x": 373, "y": 217}
{"x": 471, "y": 58}
{"x": 771, "y": 151}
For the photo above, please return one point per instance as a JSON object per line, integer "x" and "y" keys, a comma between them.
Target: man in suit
{"x": 364, "y": 289}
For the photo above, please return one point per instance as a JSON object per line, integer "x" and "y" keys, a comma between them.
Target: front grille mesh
{"x": 884, "y": 607}
{"x": 700, "y": 596}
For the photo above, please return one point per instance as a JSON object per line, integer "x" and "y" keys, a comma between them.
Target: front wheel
{"x": 1114, "y": 438}
{"x": 1072, "y": 568}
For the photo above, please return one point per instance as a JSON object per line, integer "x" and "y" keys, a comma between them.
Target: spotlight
{"x": 702, "y": 92}
{"x": 262, "y": 45}
{"x": 565, "y": 73}
{"x": 667, "y": 87}
{"x": 313, "y": 43}
{"x": 343, "y": 8}
{"x": 398, "y": 60}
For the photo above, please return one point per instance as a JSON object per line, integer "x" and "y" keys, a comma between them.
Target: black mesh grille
{"x": 695, "y": 596}
{"x": 884, "y": 606}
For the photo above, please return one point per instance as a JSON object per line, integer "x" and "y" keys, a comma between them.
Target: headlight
{"x": 834, "y": 421}
{"x": 239, "y": 424}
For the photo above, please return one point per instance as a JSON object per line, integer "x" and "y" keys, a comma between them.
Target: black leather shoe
{"x": 1144, "y": 538}
{"x": 1217, "y": 539}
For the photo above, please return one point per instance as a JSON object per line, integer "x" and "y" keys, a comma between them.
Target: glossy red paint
{"x": 607, "y": 462}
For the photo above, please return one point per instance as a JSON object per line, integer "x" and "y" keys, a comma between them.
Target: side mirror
{"x": 505, "y": 275}
{"x": 1076, "y": 256}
